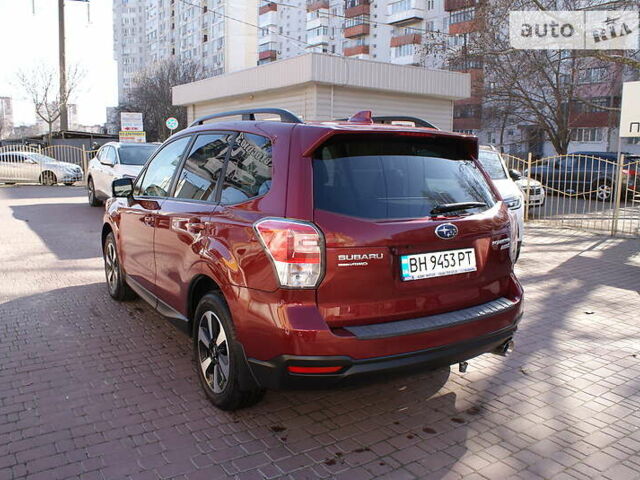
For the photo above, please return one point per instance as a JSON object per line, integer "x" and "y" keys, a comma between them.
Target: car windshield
{"x": 137, "y": 155}
{"x": 396, "y": 178}
{"x": 492, "y": 163}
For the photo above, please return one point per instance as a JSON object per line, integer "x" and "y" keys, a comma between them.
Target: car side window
{"x": 248, "y": 173}
{"x": 110, "y": 156}
{"x": 199, "y": 175}
{"x": 157, "y": 177}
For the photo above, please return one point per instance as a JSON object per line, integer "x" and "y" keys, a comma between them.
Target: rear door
{"x": 184, "y": 220}
{"x": 389, "y": 254}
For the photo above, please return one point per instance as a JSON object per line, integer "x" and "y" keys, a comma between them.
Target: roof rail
{"x": 250, "y": 114}
{"x": 418, "y": 122}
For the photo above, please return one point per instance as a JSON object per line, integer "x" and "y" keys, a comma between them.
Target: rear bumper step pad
{"x": 432, "y": 322}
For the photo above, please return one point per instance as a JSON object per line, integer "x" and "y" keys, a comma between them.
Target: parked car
{"x": 115, "y": 160}
{"x": 494, "y": 165}
{"x": 589, "y": 173}
{"x": 304, "y": 254}
{"x": 31, "y": 167}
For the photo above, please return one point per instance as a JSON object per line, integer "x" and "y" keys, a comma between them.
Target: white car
{"x": 115, "y": 160}
{"x": 31, "y": 167}
{"x": 536, "y": 191}
{"x": 494, "y": 165}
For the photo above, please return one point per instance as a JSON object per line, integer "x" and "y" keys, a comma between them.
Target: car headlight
{"x": 513, "y": 203}
{"x": 513, "y": 237}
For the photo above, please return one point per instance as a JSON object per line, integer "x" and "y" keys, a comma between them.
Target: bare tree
{"x": 544, "y": 91}
{"x": 42, "y": 86}
{"x": 152, "y": 96}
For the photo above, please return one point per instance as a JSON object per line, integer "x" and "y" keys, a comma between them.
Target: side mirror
{"x": 108, "y": 162}
{"x": 122, "y": 187}
{"x": 515, "y": 174}
{"x": 31, "y": 161}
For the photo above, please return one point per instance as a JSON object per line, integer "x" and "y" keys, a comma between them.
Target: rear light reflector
{"x": 295, "y": 369}
{"x": 295, "y": 248}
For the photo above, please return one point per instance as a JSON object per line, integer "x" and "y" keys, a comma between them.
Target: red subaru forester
{"x": 303, "y": 254}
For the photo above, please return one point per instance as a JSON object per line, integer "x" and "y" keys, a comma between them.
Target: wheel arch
{"x": 200, "y": 285}
{"x": 106, "y": 230}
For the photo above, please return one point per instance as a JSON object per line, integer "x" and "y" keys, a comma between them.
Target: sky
{"x": 28, "y": 39}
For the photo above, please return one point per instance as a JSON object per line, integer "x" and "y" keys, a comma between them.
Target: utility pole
{"x": 64, "y": 119}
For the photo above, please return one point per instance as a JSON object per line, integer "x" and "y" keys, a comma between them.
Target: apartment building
{"x": 221, "y": 35}
{"x": 386, "y": 31}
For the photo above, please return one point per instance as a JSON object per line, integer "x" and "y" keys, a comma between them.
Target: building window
{"x": 205, "y": 38}
{"x": 355, "y": 21}
{"x": 462, "y": 15}
{"x": 401, "y": 6}
{"x": 586, "y": 134}
{"x": 466, "y": 111}
{"x": 403, "y": 50}
{"x": 593, "y": 75}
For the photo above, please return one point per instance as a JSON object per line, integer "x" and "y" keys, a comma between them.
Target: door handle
{"x": 148, "y": 220}
{"x": 195, "y": 225}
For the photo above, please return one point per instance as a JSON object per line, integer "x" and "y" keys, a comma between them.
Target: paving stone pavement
{"x": 94, "y": 389}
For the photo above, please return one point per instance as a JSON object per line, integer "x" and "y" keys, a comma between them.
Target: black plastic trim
{"x": 274, "y": 375}
{"x": 432, "y": 322}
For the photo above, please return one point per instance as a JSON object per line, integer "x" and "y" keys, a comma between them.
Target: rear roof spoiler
{"x": 389, "y": 119}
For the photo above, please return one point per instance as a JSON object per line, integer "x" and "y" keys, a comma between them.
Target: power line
{"x": 245, "y": 23}
{"x": 372, "y": 22}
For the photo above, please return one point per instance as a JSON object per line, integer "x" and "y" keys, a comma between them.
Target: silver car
{"x": 30, "y": 167}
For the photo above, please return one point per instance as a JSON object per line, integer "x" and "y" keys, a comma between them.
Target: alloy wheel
{"x": 111, "y": 266}
{"x": 213, "y": 352}
{"x": 604, "y": 192}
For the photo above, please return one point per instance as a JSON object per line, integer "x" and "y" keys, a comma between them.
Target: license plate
{"x": 437, "y": 264}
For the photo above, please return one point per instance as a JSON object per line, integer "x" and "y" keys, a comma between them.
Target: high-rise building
{"x": 220, "y": 35}
{"x": 6, "y": 116}
{"x": 386, "y": 31}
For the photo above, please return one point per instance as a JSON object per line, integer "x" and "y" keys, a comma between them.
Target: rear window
{"x": 492, "y": 163}
{"x": 396, "y": 177}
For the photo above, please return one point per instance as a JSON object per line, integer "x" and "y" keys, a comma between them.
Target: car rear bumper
{"x": 275, "y": 374}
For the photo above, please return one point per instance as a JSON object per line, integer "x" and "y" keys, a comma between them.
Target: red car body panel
{"x": 161, "y": 250}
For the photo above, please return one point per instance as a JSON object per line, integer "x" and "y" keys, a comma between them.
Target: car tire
{"x": 219, "y": 356}
{"x": 48, "y": 178}
{"x": 603, "y": 190}
{"x": 91, "y": 194}
{"x": 116, "y": 284}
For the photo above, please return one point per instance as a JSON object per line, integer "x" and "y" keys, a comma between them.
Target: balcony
{"x": 453, "y": 5}
{"x": 353, "y": 8}
{"x": 267, "y": 55}
{"x": 405, "y": 12}
{"x": 357, "y": 30}
{"x": 268, "y": 18}
{"x": 410, "y": 39}
{"x": 356, "y": 50}
{"x": 269, "y": 7}
{"x": 318, "y": 36}
{"x": 313, "y": 5}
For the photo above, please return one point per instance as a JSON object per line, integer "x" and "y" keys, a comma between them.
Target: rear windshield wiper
{"x": 452, "y": 207}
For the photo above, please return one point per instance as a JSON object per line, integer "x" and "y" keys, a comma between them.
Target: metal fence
{"x": 45, "y": 165}
{"x": 583, "y": 191}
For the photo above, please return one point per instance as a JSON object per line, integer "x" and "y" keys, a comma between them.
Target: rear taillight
{"x": 296, "y": 250}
